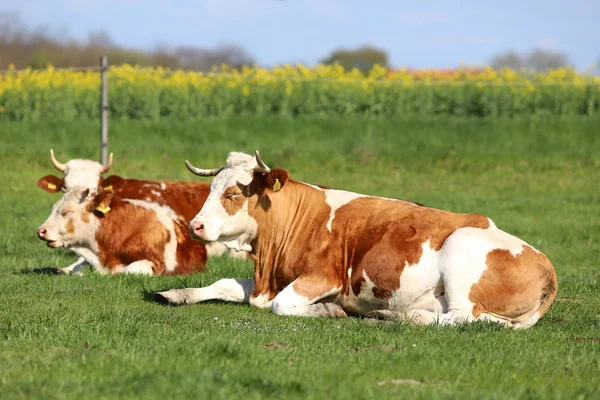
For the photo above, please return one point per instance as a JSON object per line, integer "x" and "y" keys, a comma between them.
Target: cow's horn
{"x": 57, "y": 165}
{"x": 261, "y": 167}
{"x": 202, "y": 172}
{"x": 106, "y": 167}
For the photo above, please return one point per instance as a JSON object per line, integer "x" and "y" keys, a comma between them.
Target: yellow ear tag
{"x": 108, "y": 188}
{"x": 51, "y": 186}
{"x": 103, "y": 209}
{"x": 277, "y": 185}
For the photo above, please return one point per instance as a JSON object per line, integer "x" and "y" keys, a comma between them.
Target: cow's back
{"x": 185, "y": 198}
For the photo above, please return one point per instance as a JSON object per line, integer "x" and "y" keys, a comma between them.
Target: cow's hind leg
{"x": 302, "y": 298}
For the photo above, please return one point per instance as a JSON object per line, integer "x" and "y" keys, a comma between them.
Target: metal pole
{"x": 104, "y": 111}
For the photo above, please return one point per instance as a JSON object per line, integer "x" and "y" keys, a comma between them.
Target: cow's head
{"x": 235, "y": 193}
{"x": 73, "y": 220}
{"x": 86, "y": 173}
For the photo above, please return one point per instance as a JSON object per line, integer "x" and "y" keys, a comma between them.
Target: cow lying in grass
{"x": 326, "y": 253}
{"x": 117, "y": 235}
{"x": 182, "y": 197}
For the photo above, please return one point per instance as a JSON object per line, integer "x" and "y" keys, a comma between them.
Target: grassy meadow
{"x": 104, "y": 336}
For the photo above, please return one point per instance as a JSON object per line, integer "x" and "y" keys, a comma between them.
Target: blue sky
{"x": 417, "y": 34}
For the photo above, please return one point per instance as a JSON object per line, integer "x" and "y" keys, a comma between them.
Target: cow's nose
{"x": 196, "y": 227}
{"x": 41, "y": 232}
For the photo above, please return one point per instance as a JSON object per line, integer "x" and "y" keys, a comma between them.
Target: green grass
{"x": 104, "y": 337}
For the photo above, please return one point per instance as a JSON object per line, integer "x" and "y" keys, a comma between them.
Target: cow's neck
{"x": 294, "y": 219}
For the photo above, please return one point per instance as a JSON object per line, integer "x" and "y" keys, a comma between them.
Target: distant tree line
{"x": 362, "y": 58}
{"x": 537, "y": 59}
{"x": 36, "y": 48}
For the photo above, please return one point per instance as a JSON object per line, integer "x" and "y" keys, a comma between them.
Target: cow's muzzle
{"x": 197, "y": 230}
{"x": 43, "y": 235}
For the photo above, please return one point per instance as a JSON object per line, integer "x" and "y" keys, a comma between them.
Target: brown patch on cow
{"x": 232, "y": 200}
{"x": 382, "y": 293}
{"x": 70, "y": 227}
{"x": 515, "y": 287}
{"x": 50, "y": 183}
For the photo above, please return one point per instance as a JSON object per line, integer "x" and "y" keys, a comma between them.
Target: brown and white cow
{"x": 118, "y": 235}
{"x": 183, "y": 197}
{"x": 325, "y": 252}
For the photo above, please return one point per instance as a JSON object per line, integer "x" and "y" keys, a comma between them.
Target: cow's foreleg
{"x": 233, "y": 290}
{"x": 302, "y": 297}
{"x": 74, "y": 269}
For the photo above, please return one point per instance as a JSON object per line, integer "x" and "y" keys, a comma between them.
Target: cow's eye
{"x": 67, "y": 213}
{"x": 233, "y": 195}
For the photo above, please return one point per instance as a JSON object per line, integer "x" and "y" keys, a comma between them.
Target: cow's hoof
{"x": 169, "y": 297}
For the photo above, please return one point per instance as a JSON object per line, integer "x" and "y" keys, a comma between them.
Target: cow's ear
{"x": 50, "y": 183}
{"x": 108, "y": 183}
{"x": 276, "y": 179}
{"x": 101, "y": 202}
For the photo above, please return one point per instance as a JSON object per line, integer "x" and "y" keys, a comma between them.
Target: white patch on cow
{"x": 166, "y": 216}
{"x": 419, "y": 282}
{"x": 84, "y": 173}
{"x": 349, "y": 272}
{"x": 163, "y": 186}
{"x": 142, "y": 267}
{"x": 156, "y": 193}
{"x": 336, "y": 199}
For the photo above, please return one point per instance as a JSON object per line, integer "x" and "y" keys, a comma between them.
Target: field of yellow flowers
{"x": 153, "y": 93}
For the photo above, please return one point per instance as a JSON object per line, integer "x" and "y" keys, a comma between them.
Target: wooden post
{"x": 104, "y": 111}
